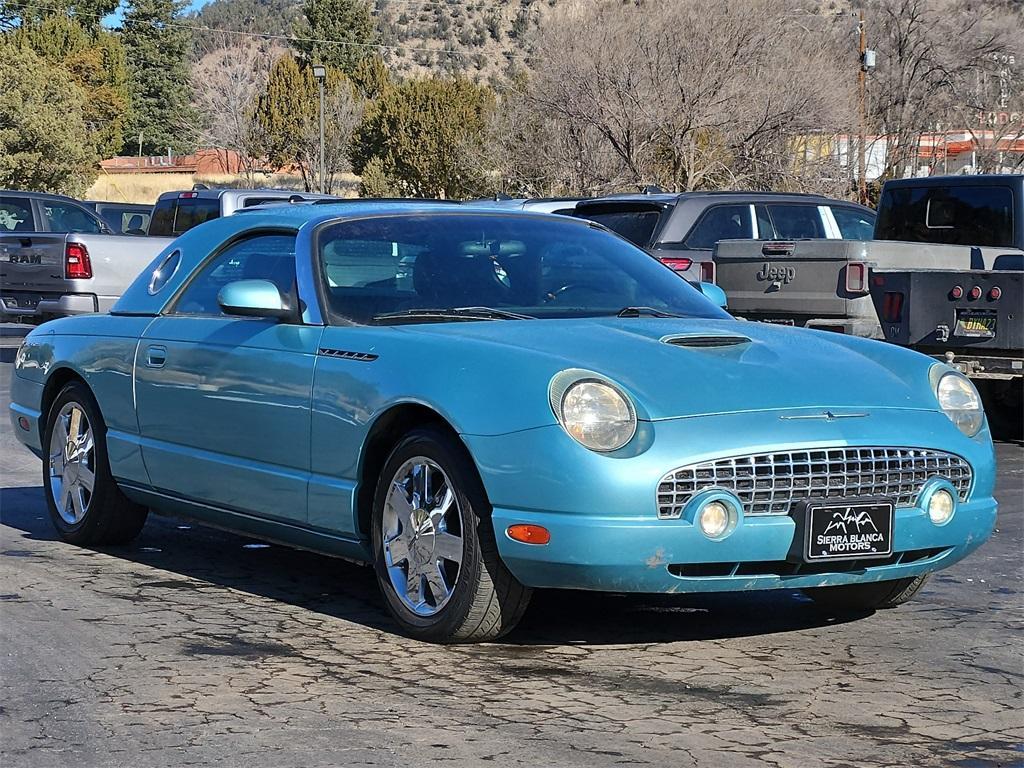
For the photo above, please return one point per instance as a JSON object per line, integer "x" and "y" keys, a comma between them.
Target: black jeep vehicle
{"x": 682, "y": 229}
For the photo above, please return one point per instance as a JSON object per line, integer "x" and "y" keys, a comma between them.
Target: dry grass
{"x": 146, "y": 187}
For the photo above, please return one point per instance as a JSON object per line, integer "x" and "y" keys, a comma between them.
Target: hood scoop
{"x": 706, "y": 340}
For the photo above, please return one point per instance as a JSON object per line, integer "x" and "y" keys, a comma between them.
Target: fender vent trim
{"x": 345, "y": 354}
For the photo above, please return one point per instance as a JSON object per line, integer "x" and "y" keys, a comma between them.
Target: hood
{"x": 714, "y": 366}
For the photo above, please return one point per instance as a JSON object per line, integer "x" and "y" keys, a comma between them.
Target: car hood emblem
{"x": 827, "y": 416}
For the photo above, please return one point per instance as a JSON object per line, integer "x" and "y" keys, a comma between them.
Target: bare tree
{"x": 226, "y": 83}
{"x": 700, "y": 94}
{"x": 928, "y": 57}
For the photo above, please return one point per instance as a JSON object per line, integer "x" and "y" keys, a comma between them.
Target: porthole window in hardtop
{"x": 164, "y": 272}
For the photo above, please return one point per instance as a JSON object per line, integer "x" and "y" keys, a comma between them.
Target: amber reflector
{"x": 529, "y": 534}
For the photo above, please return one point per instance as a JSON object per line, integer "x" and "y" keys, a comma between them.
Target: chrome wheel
{"x": 422, "y": 536}
{"x": 72, "y": 463}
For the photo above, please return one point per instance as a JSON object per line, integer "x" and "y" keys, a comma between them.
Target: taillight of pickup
{"x": 77, "y": 265}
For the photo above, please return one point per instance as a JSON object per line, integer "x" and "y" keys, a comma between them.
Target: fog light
{"x": 715, "y": 519}
{"x": 940, "y": 506}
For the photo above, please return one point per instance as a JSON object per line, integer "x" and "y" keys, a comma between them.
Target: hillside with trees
{"x": 458, "y": 98}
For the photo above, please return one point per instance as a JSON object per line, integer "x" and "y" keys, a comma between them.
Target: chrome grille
{"x": 770, "y": 483}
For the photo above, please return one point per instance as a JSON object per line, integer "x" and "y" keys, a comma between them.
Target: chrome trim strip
{"x": 827, "y": 416}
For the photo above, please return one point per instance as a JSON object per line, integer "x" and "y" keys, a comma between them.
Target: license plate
{"x": 848, "y": 530}
{"x": 975, "y": 323}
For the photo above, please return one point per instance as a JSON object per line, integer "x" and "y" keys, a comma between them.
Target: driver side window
{"x": 264, "y": 257}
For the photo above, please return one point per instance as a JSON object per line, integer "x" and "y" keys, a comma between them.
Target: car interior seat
{"x": 135, "y": 225}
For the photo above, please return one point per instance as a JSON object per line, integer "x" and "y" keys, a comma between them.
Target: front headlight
{"x": 593, "y": 412}
{"x": 959, "y": 400}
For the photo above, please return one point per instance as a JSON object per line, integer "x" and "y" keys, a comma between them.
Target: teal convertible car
{"x": 481, "y": 403}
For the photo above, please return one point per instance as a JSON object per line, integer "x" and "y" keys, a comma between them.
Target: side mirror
{"x": 714, "y": 293}
{"x": 253, "y": 298}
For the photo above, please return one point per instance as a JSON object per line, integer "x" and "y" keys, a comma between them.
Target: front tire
{"x": 86, "y": 506}
{"x": 435, "y": 555}
{"x": 867, "y": 597}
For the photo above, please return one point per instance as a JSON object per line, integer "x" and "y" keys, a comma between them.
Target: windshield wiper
{"x": 450, "y": 313}
{"x": 644, "y": 312}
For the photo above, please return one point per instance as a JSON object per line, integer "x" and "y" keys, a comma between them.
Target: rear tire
{"x": 867, "y": 597}
{"x": 435, "y": 554}
{"x": 86, "y": 506}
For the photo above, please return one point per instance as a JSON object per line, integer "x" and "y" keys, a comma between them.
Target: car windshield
{"x": 492, "y": 266}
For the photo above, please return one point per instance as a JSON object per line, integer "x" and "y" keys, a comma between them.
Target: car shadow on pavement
{"x": 349, "y": 592}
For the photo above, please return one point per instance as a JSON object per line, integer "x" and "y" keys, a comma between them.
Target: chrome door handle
{"x": 156, "y": 357}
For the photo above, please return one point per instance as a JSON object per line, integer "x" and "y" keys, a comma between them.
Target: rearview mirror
{"x": 714, "y": 294}
{"x": 253, "y": 298}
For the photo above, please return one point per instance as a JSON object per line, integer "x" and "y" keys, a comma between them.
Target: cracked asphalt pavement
{"x": 197, "y": 647}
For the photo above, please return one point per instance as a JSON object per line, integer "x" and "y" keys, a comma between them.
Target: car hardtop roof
{"x": 981, "y": 179}
{"x": 299, "y": 215}
{"x": 194, "y": 245}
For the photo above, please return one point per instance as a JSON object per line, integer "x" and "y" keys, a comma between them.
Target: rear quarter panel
{"x": 116, "y": 261}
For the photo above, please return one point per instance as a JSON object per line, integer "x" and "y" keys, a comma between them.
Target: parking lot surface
{"x": 196, "y": 647}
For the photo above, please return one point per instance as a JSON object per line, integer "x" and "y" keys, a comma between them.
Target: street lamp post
{"x": 320, "y": 73}
{"x": 867, "y": 63}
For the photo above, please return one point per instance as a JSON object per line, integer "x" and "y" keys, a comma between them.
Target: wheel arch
{"x": 385, "y": 432}
{"x": 59, "y": 378}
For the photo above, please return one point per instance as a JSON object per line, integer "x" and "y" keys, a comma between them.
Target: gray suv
{"x": 681, "y": 229}
{"x": 177, "y": 212}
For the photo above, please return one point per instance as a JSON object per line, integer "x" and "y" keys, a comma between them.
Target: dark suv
{"x": 681, "y": 229}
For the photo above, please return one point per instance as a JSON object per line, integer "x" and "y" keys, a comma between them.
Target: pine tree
{"x": 43, "y": 144}
{"x": 422, "y": 133}
{"x": 159, "y": 69}
{"x": 95, "y": 59}
{"x": 340, "y": 33}
{"x": 287, "y": 120}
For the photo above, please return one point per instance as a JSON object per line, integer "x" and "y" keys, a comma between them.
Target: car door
{"x": 224, "y": 401}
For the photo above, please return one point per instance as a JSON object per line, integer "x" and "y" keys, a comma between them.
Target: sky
{"x": 114, "y": 19}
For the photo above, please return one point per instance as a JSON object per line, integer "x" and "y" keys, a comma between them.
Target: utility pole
{"x": 320, "y": 73}
{"x": 866, "y": 58}
{"x": 862, "y": 108}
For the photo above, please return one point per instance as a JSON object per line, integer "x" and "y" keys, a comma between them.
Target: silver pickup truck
{"x": 59, "y": 258}
{"x": 959, "y": 223}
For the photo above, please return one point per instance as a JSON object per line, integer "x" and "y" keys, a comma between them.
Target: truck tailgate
{"x": 32, "y": 261}
{"x": 780, "y": 279}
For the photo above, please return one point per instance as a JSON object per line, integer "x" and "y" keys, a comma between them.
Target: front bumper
{"x": 632, "y": 556}
{"x": 601, "y": 510}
